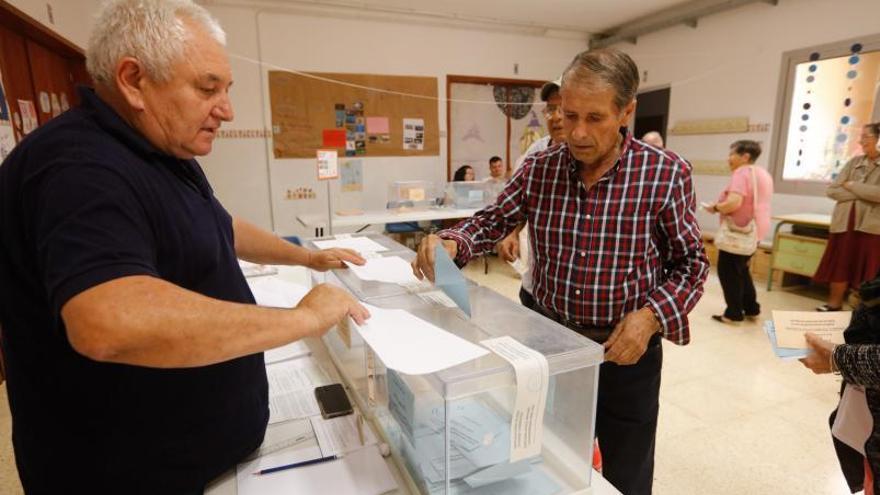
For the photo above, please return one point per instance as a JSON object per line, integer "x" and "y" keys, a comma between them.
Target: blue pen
{"x": 297, "y": 464}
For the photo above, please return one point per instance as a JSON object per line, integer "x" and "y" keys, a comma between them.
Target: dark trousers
{"x": 626, "y": 410}
{"x": 527, "y": 299}
{"x": 626, "y": 420}
{"x": 736, "y": 282}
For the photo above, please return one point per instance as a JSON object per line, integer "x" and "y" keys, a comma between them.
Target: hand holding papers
{"x": 782, "y": 353}
{"x": 791, "y": 326}
{"x": 413, "y": 346}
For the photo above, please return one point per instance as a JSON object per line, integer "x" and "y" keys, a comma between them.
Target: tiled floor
{"x": 733, "y": 418}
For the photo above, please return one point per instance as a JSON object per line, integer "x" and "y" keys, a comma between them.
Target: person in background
{"x": 737, "y": 202}
{"x": 516, "y": 244}
{"x": 653, "y": 138}
{"x": 852, "y": 255}
{"x": 132, "y": 341}
{"x": 857, "y": 361}
{"x": 464, "y": 173}
{"x": 497, "y": 177}
{"x": 618, "y": 255}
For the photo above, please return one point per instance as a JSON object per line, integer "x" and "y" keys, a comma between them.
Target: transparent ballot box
{"x": 450, "y": 431}
{"x": 469, "y": 194}
{"x": 411, "y": 194}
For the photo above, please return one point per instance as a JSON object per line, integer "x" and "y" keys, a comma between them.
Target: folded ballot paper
{"x": 448, "y": 278}
{"x": 786, "y": 330}
{"x": 781, "y": 352}
{"x": 411, "y": 345}
{"x": 791, "y": 326}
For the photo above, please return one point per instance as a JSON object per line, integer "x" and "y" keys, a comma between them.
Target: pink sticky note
{"x": 377, "y": 125}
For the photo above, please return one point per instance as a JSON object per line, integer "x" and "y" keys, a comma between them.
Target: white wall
{"x": 729, "y": 66}
{"x": 72, "y": 18}
{"x": 241, "y": 169}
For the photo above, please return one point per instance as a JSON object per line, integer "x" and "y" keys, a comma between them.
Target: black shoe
{"x": 725, "y": 320}
{"x": 826, "y": 308}
{"x": 753, "y": 317}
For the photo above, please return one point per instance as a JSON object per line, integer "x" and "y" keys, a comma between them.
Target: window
{"x": 827, "y": 94}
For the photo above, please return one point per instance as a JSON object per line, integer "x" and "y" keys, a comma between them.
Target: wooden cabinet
{"x": 798, "y": 254}
{"x": 37, "y": 66}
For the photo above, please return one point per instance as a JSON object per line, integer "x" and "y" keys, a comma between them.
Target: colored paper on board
{"x": 333, "y": 138}
{"x": 377, "y": 125}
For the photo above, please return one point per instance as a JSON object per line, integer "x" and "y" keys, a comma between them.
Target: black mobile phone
{"x": 333, "y": 401}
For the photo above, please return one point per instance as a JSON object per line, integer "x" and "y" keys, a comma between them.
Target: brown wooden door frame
{"x": 35, "y": 59}
{"x": 19, "y": 22}
{"x": 495, "y": 81}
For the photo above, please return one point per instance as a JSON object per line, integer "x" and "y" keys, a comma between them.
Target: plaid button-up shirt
{"x": 630, "y": 241}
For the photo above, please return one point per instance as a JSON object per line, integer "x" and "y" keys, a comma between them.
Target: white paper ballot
{"x": 292, "y": 389}
{"x": 413, "y": 346}
{"x": 340, "y": 435}
{"x": 532, "y": 377}
{"x": 448, "y": 278}
{"x": 791, "y": 326}
{"x": 390, "y": 269}
{"x": 853, "y": 423}
{"x": 276, "y": 293}
{"x": 362, "y": 245}
{"x": 256, "y": 270}
{"x": 362, "y": 472}
{"x": 290, "y": 351}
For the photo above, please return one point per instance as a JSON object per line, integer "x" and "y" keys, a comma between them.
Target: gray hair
{"x": 608, "y": 65}
{"x": 152, "y": 31}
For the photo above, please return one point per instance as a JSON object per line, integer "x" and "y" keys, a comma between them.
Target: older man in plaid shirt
{"x": 618, "y": 256}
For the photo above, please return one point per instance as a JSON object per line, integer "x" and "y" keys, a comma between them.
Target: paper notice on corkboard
{"x": 303, "y": 108}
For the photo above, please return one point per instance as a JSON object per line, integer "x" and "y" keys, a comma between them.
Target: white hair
{"x": 152, "y": 31}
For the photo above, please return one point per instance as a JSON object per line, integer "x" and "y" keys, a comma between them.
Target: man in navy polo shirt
{"x": 132, "y": 341}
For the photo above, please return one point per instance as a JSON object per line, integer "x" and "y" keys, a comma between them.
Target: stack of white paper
{"x": 292, "y": 389}
{"x": 340, "y": 435}
{"x": 255, "y": 270}
{"x": 363, "y": 245}
{"x": 276, "y": 293}
{"x": 285, "y": 352}
{"x": 390, "y": 269}
{"x": 791, "y": 326}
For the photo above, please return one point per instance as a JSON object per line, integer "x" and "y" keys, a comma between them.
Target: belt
{"x": 596, "y": 334}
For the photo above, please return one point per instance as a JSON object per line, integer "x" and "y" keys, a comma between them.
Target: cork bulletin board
{"x": 309, "y": 114}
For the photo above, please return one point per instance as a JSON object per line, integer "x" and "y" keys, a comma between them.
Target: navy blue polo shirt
{"x": 86, "y": 199}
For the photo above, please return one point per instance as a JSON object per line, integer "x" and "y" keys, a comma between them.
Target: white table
{"x": 318, "y": 221}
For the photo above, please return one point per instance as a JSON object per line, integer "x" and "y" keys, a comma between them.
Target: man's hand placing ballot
{"x": 630, "y": 337}
{"x": 423, "y": 265}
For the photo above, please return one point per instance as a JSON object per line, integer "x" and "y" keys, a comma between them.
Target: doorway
{"x": 652, "y": 113}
